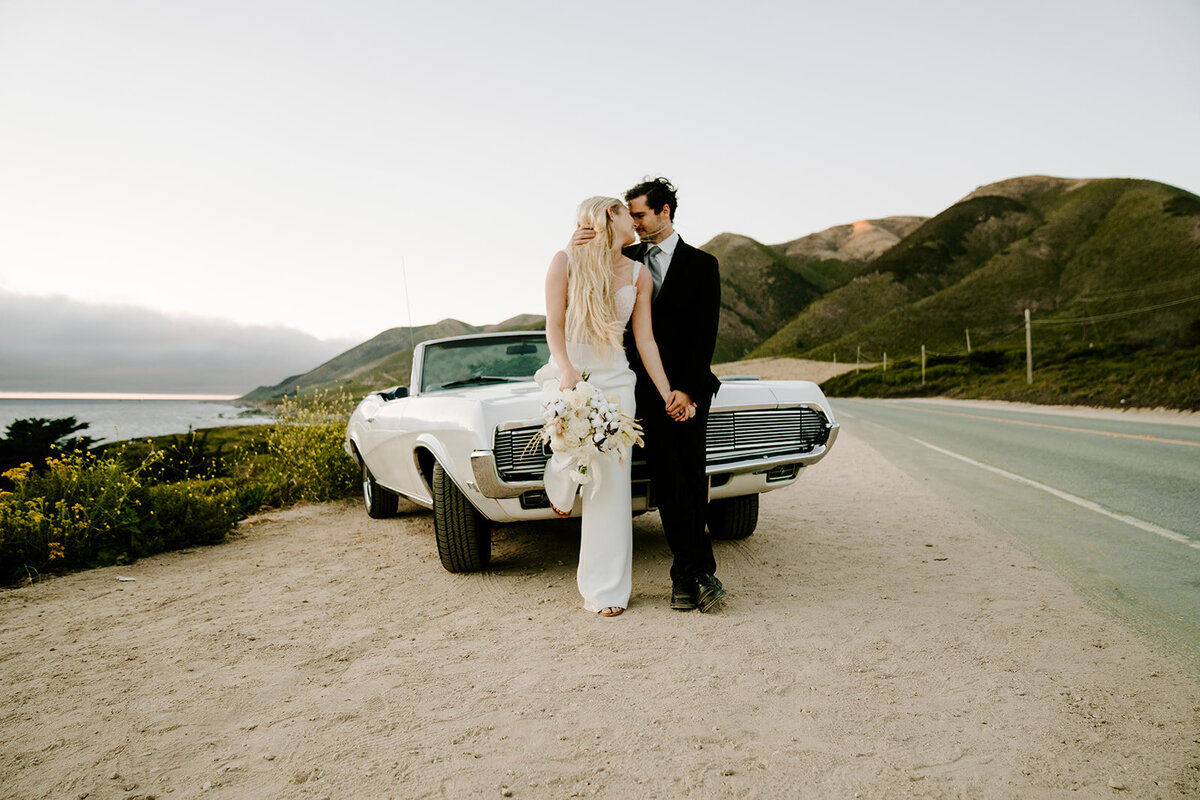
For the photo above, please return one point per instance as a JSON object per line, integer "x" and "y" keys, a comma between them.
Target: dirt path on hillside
{"x": 876, "y": 643}
{"x": 791, "y": 369}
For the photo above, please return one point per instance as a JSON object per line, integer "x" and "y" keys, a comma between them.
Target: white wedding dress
{"x": 605, "y": 573}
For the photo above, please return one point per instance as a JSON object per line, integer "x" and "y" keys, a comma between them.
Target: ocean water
{"x": 115, "y": 420}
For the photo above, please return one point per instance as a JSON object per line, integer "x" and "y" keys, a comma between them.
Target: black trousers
{"x": 676, "y": 456}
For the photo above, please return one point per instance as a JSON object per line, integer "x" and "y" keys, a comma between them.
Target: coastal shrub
{"x": 83, "y": 510}
{"x": 33, "y": 440}
{"x": 184, "y": 514}
{"x": 189, "y": 456}
{"x": 250, "y": 491}
{"x": 305, "y": 459}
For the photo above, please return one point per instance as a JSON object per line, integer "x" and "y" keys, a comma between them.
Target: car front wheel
{"x": 733, "y": 517}
{"x": 464, "y": 538}
{"x": 380, "y": 503}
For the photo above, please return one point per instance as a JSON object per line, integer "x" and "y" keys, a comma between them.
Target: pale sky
{"x": 274, "y": 162}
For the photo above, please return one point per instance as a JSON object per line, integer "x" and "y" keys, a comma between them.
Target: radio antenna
{"x": 412, "y": 345}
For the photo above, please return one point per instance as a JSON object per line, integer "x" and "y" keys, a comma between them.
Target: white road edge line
{"x": 1149, "y": 527}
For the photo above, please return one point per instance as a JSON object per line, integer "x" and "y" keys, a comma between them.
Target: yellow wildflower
{"x": 17, "y": 474}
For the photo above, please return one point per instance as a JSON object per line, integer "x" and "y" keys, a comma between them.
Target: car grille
{"x": 732, "y": 436}
{"x": 739, "y": 434}
{"x": 516, "y": 459}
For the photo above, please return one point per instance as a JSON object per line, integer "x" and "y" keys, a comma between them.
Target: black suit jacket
{"x": 684, "y": 317}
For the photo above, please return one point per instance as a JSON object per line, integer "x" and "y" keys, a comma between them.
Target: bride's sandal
{"x": 611, "y": 611}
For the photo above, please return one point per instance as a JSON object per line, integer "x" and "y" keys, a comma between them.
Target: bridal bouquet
{"x": 580, "y": 423}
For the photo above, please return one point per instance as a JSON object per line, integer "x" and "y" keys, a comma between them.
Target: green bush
{"x": 33, "y": 440}
{"x": 97, "y": 508}
{"x": 189, "y": 456}
{"x": 85, "y": 511}
{"x": 305, "y": 459}
{"x": 184, "y": 514}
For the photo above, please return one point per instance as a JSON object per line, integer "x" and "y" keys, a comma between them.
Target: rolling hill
{"x": 1092, "y": 259}
{"x": 383, "y": 360}
{"x": 1109, "y": 267}
{"x": 764, "y": 286}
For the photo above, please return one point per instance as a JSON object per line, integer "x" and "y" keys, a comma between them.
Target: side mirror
{"x": 395, "y": 393}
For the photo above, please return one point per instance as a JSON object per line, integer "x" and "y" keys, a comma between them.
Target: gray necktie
{"x": 652, "y": 253}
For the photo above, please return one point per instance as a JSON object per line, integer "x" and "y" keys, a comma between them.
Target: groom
{"x": 687, "y": 301}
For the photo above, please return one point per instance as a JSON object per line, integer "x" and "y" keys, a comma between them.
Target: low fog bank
{"x": 55, "y": 344}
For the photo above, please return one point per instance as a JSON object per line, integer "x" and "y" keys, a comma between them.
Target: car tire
{"x": 464, "y": 537}
{"x": 733, "y": 517}
{"x": 380, "y": 503}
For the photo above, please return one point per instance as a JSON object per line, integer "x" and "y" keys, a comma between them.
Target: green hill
{"x": 1109, "y": 269}
{"x": 1092, "y": 260}
{"x": 384, "y": 360}
{"x": 764, "y": 286}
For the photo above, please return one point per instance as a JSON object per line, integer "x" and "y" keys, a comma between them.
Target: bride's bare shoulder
{"x": 623, "y": 268}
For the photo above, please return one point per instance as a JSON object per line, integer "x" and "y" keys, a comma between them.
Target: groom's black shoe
{"x": 683, "y": 594}
{"x": 710, "y": 592}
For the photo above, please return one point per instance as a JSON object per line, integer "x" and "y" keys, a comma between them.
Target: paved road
{"x": 1113, "y": 505}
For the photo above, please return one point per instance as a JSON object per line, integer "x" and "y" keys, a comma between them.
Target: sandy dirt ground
{"x": 876, "y": 643}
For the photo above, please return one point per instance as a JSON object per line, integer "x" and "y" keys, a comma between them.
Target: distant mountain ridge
{"x": 1068, "y": 249}
{"x": 1109, "y": 250}
{"x": 764, "y": 286}
{"x": 383, "y": 360}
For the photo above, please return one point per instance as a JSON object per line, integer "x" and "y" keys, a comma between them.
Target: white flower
{"x": 581, "y": 422}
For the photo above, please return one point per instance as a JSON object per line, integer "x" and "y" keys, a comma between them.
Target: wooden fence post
{"x": 1028, "y": 350}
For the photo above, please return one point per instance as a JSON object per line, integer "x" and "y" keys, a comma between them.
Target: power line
{"x": 1146, "y": 288}
{"x": 866, "y": 356}
{"x": 1116, "y": 314}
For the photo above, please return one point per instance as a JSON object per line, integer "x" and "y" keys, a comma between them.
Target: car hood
{"x": 517, "y": 401}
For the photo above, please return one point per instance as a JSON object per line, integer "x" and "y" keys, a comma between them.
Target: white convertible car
{"x": 457, "y": 442}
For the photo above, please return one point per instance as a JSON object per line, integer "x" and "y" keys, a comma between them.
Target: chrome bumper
{"x": 489, "y": 483}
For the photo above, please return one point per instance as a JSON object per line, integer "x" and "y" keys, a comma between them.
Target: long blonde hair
{"x": 591, "y": 302}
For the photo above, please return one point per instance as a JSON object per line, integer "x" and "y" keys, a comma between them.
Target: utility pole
{"x": 857, "y": 356}
{"x": 885, "y": 362}
{"x": 1028, "y": 350}
{"x": 922, "y": 365}
{"x": 968, "y": 341}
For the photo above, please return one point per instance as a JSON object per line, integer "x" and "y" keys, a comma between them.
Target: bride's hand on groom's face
{"x": 583, "y": 234}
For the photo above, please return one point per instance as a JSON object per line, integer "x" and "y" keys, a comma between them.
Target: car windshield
{"x": 476, "y": 362}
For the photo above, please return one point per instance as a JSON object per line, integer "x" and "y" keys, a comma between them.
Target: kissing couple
{"x": 635, "y": 307}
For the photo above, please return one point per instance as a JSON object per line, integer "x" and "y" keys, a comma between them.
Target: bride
{"x": 592, "y": 291}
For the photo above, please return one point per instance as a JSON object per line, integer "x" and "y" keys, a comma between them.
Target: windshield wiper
{"x": 479, "y": 379}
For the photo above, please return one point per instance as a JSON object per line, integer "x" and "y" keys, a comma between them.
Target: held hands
{"x": 680, "y": 406}
{"x": 583, "y": 234}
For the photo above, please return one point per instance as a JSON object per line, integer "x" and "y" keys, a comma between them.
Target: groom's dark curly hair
{"x": 659, "y": 192}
